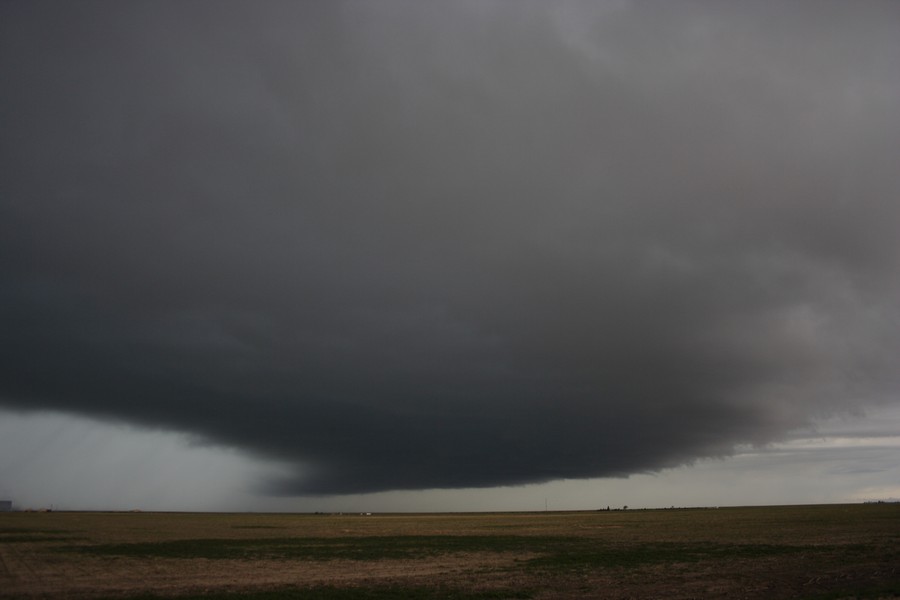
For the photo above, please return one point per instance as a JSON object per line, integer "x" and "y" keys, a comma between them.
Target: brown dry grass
{"x": 833, "y": 550}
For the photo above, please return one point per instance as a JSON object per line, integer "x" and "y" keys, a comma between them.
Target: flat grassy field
{"x": 816, "y": 552}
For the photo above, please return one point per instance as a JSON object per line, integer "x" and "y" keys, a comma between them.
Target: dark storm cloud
{"x": 411, "y": 245}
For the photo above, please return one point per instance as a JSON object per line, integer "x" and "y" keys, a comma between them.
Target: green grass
{"x": 556, "y": 553}
{"x": 17, "y": 530}
{"x": 14, "y": 535}
{"x": 579, "y": 557}
{"x": 324, "y": 548}
{"x": 22, "y": 539}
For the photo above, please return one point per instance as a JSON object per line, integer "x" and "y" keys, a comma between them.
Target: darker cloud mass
{"x": 408, "y": 245}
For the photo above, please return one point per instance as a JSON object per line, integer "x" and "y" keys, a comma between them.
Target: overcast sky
{"x": 448, "y": 255}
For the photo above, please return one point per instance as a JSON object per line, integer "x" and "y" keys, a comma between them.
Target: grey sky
{"x": 403, "y": 245}
{"x": 64, "y": 462}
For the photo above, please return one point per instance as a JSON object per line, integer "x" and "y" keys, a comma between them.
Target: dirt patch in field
{"x": 34, "y": 575}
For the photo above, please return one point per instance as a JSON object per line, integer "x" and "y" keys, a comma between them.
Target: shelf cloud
{"x": 407, "y": 245}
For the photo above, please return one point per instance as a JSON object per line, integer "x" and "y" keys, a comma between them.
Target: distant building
{"x": 5, "y": 505}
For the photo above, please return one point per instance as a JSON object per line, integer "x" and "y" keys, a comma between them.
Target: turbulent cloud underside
{"x": 411, "y": 245}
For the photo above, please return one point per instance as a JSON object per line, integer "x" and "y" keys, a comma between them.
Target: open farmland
{"x": 834, "y": 551}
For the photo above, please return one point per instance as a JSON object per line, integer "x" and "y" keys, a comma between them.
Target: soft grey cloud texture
{"x": 71, "y": 463}
{"x": 406, "y": 245}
